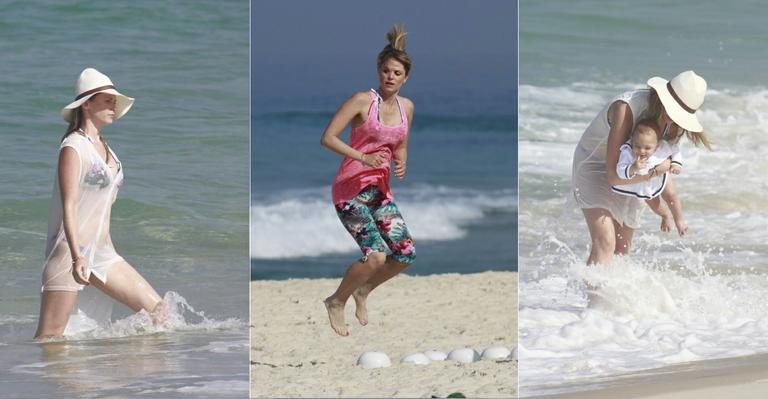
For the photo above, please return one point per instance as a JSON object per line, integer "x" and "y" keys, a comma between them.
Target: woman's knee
{"x": 604, "y": 243}
{"x": 376, "y": 259}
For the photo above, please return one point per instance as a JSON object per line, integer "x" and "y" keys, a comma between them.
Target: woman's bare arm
{"x": 355, "y": 108}
{"x": 69, "y": 181}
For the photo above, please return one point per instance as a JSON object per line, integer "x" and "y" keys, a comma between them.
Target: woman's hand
{"x": 399, "y": 169}
{"x": 663, "y": 167}
{"x": 80, "y": 271}
{"x": 374, "y": 159}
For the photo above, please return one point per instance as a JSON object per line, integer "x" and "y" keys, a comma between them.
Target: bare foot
{"x": 160, "y": 314}
{"x": 666, "y": 223}
{"x": 336, "y": 316}
{"x": 682, "y": 227}
{"x": 360, "y": 311}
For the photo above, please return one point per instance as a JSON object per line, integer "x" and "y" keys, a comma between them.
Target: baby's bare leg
{"x": 661, "y": 210}
{"x": 673, "y": 202}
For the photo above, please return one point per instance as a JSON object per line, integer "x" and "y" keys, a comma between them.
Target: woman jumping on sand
{"x": 380, "y": 122}
{"x": 611, "y": 218}
{"x": 79, "y": 251}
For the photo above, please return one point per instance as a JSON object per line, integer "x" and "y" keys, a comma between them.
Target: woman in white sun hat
{"x": 611, "y": 218}
{"x": 79, "y": 250}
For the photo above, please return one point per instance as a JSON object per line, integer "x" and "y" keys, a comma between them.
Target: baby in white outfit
{"x": 639, "y": 156}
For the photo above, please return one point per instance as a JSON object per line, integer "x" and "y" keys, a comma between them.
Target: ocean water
{"x": 459, "y": 198}
{"x": 675, "y": 299}
{"x": 181, "y": 217}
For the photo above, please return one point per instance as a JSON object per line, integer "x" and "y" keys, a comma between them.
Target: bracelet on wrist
{"x": 74, "y": 260}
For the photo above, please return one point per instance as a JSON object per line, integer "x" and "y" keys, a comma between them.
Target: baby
{"x": 639, "y": 156}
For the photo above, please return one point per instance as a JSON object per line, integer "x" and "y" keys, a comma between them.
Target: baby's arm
{"x": 627, "y": 166}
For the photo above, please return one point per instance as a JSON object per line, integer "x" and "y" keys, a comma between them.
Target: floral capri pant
{"x": 376, "y": 224}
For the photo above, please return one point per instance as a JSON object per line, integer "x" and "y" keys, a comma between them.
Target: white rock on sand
{"x": 464, "y": 355}
{"x": 415, "y": 358}
{"x": 374, "y": 360}
{"x": 496, "y": 353}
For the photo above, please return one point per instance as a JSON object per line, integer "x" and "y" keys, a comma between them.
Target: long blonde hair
{"x": 395, "y": 49}
{"x": 655, "y": 107}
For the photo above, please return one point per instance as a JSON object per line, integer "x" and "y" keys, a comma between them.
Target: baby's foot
{"x": 666, "y": 223}
{"x": 682, "y": 227}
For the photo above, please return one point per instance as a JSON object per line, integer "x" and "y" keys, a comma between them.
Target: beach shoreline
{"x": 743, "y": 377}
{"x": 295, "y": 353}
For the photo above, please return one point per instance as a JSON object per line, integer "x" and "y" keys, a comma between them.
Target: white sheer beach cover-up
{"x": 97, "y": 191}
{"x": 589, "y": 177}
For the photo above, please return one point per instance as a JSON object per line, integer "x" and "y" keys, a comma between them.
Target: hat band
{"x": 679, "y": 101}
{"x": 96, "y": 90}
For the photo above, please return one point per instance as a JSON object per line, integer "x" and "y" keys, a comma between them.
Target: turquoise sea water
{"x": 675, "y": 299}
{"x": 181, "y": 217}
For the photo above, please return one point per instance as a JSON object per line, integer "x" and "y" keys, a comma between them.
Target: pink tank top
{"x": 353, "y": 176}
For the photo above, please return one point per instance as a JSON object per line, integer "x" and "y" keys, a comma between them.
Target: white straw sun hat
{"x": 90, "y": 83}
{"x": 681, "y": 97}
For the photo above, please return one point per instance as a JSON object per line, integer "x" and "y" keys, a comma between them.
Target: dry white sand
{"x": 295, "y": 353}
{"x": 736, "y": 378}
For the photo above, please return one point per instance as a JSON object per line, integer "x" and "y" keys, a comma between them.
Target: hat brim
{"x": 124, "y": 103}
{"x": 681, "y": 117}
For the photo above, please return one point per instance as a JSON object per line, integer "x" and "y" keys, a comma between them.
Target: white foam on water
{"x": 226, "y": 347}
{"x": 642, "y": 315}
{"x": 17, "y": 319}
{"x": 218, "y": 387}
{"x": 179, "y": 316}
{"x": 304, "y": 223}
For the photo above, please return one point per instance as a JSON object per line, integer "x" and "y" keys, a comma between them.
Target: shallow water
{"x": 187, "y": 354}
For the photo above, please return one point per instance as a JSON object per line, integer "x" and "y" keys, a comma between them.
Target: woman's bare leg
{"x": 127, "y": 286}
{"x": 55, "y": 308}
{"x": 624, "y": 236}
{"x": 390, "y": 269}
{"x": 357, "y": 274}
{"x": 602, "y": 230}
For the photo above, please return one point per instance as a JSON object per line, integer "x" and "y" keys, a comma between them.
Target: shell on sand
{"x": 496, "y": 353}
{"x": 374, "y": 360}
{"x": 464, "y": 355}
{"x": 435, "y": 355}
{"x": 415, "y": 358}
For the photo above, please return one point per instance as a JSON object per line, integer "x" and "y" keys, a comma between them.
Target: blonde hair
{"x": 395, "y": 49}
{"x": 655, "y": 107}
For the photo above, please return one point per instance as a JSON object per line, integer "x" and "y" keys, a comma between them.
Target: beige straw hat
{"x": 681, "y": 97}
{"x": 90, "y": 83}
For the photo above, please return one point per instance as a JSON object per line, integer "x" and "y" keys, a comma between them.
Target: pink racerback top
{"x": 373, "y": 135}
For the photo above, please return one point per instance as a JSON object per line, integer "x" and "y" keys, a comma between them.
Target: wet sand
{"x": 739, "y": 377}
